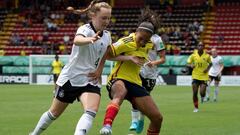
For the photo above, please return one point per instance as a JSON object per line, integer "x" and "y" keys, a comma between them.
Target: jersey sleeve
{"x": 221, "y": 60}
{"x": 159, "y": 44}
{"x": 83, "y": 30}
{"x": 110, "y": 38}
{"x": 121, "y": 47}
{"x": 61, "y": 63}
{"x": 209, "y": 59}
{"x": 190, "y": 59}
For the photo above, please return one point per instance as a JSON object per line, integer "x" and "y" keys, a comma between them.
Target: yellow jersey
{"x": 127, "y": 70}
{"x": 201, "y": 63}
{"x": 57, "y": 67}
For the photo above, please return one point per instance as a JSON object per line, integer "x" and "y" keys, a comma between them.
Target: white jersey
{"x": 84, "y": 59}
{"x": 146, "y": 71}
{"x": 216, "y": 66}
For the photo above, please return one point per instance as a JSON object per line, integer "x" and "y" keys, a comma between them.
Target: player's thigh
{"x": 147, "y": 106}
{"x": 57, "y": 107}
{"x": 118, "y": 89}
{"x": 90, "y": 101}
{"x": 195, "y": 84}
{"x": 203, "y": 86}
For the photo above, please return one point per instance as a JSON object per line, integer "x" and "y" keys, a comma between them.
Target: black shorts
{"x": 68, "y": 93}
{"x": 148, "y": 84}
{"x": 133, "y": 90}
{"x": 199, "y": 82}
{"x": 215, "y": 78}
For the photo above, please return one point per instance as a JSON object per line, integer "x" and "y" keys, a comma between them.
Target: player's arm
{"x": 107, "y": 55}
{"x": 51, "y": 68}
{"x": 80, "y": 39}
{"x": 137, "y": 60}
{"x": 161, "y": 60}
{"x": 112, "y": 51}
{"x": 221, "y": 67}
{"x": 207, "y": 69}
{"x": 190, "y": 63}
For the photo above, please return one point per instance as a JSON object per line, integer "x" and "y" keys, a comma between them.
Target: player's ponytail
{"x": 148, "y": 15}
{"x": 93, "y": 7}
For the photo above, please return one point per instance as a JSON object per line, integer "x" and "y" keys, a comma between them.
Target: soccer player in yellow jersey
{"x": 200, "y": 62}
{"x": 124, "y": 81}
{"x": 56, "y": 69}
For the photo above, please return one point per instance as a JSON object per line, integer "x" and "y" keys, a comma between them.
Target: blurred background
{"x": 42, "y": 27}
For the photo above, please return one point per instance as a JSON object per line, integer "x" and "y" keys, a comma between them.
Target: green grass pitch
{"x": 22, "y": 105}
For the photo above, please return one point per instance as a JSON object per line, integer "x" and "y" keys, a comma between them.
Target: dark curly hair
{"x": 148, "y": 15}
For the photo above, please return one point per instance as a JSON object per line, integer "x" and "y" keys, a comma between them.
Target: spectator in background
{"x": 165, "y": 37}
{"x": 190, "y": 27}
{"x": 176, "y": 50}
{"x": 169, "y": 49}
{"x": 35, "y": 38}
{"x": 187, "y": 43}
{"x": 45, "y": 36}
{"x": 15, "y": 39}
{"x": 60, "y": 17}
{"x": 51, "y": 26}
{"x": 66, "y": 39}
{"x": 29, "y": 40}
{"x": 177, "y": 32}
{"x": 22, "y": 52}
{"x": 220, "y": 39}
{"x": 196, "y": 25}
{"x": 2, "y": 52}
{"x": 169, "y": 11}
{"x": 62, "y": 48}
{"x": 39, "y": 40}
{"x": 45, "y": 47}
{"x": 201, "y": 28}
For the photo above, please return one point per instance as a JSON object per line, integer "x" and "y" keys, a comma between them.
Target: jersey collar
{"x": 91, "y": 24}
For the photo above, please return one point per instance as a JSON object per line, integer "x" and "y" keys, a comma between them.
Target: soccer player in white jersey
{"x": 90, "y": 43}
{"x": 148, "y": 74}
{"x": 215, "y": 73}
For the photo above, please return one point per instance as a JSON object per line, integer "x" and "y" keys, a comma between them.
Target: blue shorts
{"x": 68, "y": 93}
{"x": 133, "y": 90}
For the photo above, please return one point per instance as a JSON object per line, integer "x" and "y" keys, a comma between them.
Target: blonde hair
{"x": 92, "y": 8}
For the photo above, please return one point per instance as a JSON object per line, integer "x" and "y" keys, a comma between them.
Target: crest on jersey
{"x": 61, "y": 93}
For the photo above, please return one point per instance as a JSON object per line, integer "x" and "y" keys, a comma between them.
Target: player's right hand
{"x": 95, "y": 37}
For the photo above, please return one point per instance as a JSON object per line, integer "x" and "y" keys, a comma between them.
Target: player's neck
{"x": 200, "y": 52}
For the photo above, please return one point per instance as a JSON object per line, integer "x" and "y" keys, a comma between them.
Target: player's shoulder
{"x": 156, "y": 37}
{"x": 85, "y": 26}
{"x": 219, "y": 57}
{"x": 106, "y": 32}
{"x": 128, "y": 39}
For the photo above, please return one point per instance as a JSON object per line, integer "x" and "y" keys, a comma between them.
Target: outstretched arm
{"x": 137, "y": 60}
{"x": 81, "y": 40}
{"x": 162, "y": 59}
